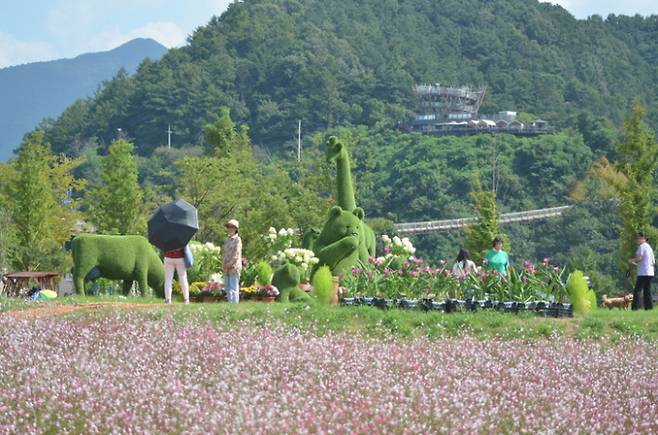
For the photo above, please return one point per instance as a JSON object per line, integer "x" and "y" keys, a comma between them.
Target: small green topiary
{"x": 323, "y": 284}
{"x": 263, "y": 273}
{"x": 579, "y": 293}
{"x": 287, "y": 279}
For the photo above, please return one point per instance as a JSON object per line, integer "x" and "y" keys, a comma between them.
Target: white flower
{"x": 304, "y": 266}
{"x": 274, "y": 258}
{"x": 291, "y": 232}
{"x": 272, "y": 237}
{"x": 216, "y": 277}
{"x": 386, "y": 239}
{"x": 397, "y": 241}
{"x": 314, "y": 260}
{"x": 283, "y": 232}
{"x": 272, "y": 231}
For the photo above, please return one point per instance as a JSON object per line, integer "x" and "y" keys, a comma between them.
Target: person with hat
{"x": 232, "y": 261}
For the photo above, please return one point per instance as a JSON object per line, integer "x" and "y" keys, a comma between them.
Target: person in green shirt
{"x": 497, "y": 259}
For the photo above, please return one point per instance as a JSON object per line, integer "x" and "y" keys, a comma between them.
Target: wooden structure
{"x": 18, "y": 283}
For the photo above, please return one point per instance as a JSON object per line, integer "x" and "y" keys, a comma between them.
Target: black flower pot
{"x": 485, "y": 304}
{"x": 382, "y": 303}
{"x": 471, "y": 305}
{"x": 408, "y": 304}
{"x": 348, "y": 302}
{"x": 438, "y": 306}
{"x": 425, "y": 304}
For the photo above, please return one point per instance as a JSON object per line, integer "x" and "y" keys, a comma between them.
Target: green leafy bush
{"x": 263, "y": 273}
{"x": 323, "y": 284}
{"x": 579, "y": 293}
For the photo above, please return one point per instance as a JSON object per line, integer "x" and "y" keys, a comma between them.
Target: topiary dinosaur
{"x": 345, "y": 239}
{"x": 127, "y": 258}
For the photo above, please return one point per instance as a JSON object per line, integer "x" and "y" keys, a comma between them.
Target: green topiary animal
{"x": 338, "y": 243}
{"x": 334, "y": 245}
{"x": 127, "y": 258}
{"x": 287, "y": 279}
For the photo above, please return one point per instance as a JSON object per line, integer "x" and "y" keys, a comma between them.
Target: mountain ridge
{"x": 37, "y": 90}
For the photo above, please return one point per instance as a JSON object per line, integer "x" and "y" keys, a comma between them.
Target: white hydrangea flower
{"x": 386, "y": 239}
{"x": 272, "y": 231}
{"x": 397, "y": 241}
{"x": 291, "y": 232}
{"x": 283, "y": 232}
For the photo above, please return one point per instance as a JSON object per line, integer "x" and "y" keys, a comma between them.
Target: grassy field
{"x": 367, "y": 321}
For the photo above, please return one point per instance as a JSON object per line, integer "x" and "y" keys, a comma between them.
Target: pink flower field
{"x": 124, "y": 373}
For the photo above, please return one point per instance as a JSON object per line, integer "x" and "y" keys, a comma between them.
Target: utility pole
{"x": 299, "y": 140}
{"x": 169, "y": 132}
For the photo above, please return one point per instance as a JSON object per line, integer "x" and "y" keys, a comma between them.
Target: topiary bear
{"x": 338, "y": 244}
{"x": 127, "y": 258}
{"x": 287, "y": 279}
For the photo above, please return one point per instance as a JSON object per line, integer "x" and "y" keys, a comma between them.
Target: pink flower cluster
{"x": 127, "y": 373}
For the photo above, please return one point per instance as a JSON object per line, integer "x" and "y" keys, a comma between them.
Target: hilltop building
{"x": 445, "y": 110}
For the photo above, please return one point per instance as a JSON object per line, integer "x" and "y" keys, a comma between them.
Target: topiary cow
{"x": 127, "y": 258}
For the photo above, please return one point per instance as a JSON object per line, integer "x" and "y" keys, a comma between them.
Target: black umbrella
{"x": 173, "y": 225}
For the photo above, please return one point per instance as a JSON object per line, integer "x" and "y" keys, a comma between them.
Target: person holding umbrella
{"x": 232, "y": 261}
{"x": 177, "y": 260}
{"x": 170, "y": 229}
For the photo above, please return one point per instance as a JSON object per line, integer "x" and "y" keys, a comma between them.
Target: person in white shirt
{"x": 463, "y": 265}
{"x": 644, "y": 260}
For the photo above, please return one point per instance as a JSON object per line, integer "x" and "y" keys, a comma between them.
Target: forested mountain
{"x": 349, "y": 62}
{"x": 33, "y": 91}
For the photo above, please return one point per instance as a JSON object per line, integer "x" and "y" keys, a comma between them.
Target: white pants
{"x": 177, "y": 264}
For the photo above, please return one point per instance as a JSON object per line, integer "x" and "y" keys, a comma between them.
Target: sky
{"x": 36, "y": 30}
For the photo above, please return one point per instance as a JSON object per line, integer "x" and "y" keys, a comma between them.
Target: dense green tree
{"x": 631, "y": 179}
{"x": 115, "y": 204}
{"x": 480, "y": 234}
{"x": 36, "y": 188}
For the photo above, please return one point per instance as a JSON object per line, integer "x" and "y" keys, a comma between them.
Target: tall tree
{"x": 222, "y": 138}
{"x": 631, "y": 179}
{"x": 37, "y": 192}
{"x": 115, "y": 204}
{"x": 480, "y": 234}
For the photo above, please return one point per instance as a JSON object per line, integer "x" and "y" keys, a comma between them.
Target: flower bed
{"x": 81, "y": 376}
{"x": 400, "y": 275}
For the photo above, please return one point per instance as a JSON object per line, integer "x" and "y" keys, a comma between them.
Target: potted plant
{"x": 267, "y": 293}
{"x": 211, "y": 293}
{"x": 195, "y": 293}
